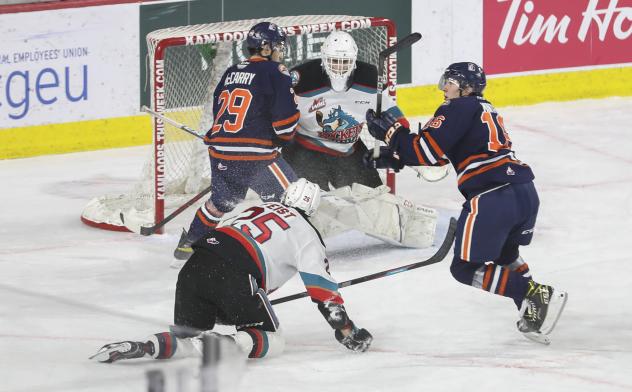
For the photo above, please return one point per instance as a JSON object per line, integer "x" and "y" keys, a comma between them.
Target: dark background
{"x": 158, "y": 16}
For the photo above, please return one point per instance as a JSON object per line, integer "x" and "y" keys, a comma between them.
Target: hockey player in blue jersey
{"x": 254, "y": 113}
{"x": 501, "y": 201}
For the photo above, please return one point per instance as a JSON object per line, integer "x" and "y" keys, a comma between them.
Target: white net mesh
{"x": 182, "y": 84}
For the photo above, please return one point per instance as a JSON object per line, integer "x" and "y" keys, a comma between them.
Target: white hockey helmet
{"x": 339, "y": 53}
{"x": 302, "y": 195}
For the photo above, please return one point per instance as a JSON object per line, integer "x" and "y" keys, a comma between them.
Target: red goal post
{"x": 185, "y": 64}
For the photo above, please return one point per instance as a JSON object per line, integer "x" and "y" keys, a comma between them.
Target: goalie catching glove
{"x": 346, "y": 333}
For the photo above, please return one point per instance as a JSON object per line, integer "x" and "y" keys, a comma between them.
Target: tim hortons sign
{"x": 521, "y": 35}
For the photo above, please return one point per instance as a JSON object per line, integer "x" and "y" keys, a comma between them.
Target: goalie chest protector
{"x": 331, "y": 121}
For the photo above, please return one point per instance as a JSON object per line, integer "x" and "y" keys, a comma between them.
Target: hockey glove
{"x": 356, "y": 339}
{"x": 388, "y": 159}
{"x": 384, "y": 127}
{"x": 345, "y": 331}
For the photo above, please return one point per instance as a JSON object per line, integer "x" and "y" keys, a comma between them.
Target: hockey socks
{"x": 491, "y": 277}
{"x": 203, "y": 222}
{"x": 258, "y": 343}
{"x": 254, "y": 342}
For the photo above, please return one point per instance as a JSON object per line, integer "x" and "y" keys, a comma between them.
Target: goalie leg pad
{"x": 377, "y": 213}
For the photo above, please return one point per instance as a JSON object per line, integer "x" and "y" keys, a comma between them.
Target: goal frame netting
{"x": 104, "y": 212}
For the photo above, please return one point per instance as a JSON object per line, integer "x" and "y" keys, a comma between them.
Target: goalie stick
{"x": 137, "y": 227}
{"x": 399, "y": 45}
{"x": 435, "y": 258}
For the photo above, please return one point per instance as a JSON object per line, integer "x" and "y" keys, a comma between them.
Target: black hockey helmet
{"x": 266, "y": 33}
{"x": 465, "y": 75}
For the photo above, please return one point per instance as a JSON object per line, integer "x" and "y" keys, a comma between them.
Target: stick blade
{"x": 136, "y": 221}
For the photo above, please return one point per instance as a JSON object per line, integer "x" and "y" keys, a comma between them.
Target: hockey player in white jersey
{"x": 334, "y": 93}
{"x": 232, "y": 270}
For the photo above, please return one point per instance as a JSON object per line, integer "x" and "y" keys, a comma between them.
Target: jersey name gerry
{"x": 239, "y": 78}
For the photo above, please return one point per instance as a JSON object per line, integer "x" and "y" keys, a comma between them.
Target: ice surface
{"x": 66, "y": 288}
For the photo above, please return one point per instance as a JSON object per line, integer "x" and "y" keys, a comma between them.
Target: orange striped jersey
{"x": 254, "y": 111}
{"x": 470, "y": 133}
{"x": 281, "y": 242}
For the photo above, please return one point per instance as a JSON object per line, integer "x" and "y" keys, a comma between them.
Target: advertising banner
{"x": 68, "y": 65}
{"x": 526, "y": 35}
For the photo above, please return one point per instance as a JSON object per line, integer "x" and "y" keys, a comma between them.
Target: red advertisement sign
{"x": 525, "y": 35}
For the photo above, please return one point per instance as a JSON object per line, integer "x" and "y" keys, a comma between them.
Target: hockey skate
{"x": 540, "y": 310}
{"x": 184, "y": 250}
{"x": 123, "y": 350}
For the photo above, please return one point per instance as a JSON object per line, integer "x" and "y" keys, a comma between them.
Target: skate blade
{"x": 103, "y": 355}
{"x": 556, "y": 306}
{"x": 537, "y": 337}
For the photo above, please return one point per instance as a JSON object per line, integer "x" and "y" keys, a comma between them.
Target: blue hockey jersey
{"x": 254, "y": 111}
{"x": 470, "y": 133}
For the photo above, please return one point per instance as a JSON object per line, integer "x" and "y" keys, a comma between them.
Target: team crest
{"x": 339, "y": 126}
{"x": 318, "y": 103}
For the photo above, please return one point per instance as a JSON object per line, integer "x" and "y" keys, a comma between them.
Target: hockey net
{"x": 185, "y": 64}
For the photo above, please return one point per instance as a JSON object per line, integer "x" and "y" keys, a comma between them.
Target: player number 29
{"x": 237, "y": 103}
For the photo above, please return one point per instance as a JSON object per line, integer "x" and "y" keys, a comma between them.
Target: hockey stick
{"x": 136, "y": 226}
{"x": 437, "y": 257}
{"x": 172, "y": 122}
{"x": 381, "y": 80}
{"x": 431, "y": 175}
{"x": 149, "y": 230}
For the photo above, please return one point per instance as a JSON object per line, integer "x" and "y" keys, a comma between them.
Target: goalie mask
{"x": 339, "y": 53}
{"x": 302, "y": 195}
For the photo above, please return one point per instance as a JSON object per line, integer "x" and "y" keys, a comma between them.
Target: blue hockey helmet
{"x": 464, "y": 75}
{"x": 266, "y": 33}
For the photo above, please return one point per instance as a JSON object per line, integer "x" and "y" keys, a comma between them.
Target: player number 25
{"x": 253, "y": 217}
{"x": 237, "y": 103}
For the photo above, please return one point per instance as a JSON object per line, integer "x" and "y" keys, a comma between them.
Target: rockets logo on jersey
{"x": 339, "y": 126}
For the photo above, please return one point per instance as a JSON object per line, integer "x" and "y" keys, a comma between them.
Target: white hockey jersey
{"x": 281, "y": 242}
{"x": 331, "y": 122}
